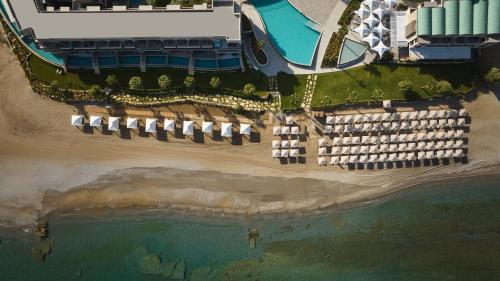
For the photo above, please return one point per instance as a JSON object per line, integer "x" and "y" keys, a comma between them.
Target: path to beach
{"x": 43, "y": 160}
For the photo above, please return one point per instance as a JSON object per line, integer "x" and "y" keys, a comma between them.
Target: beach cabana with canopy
{"x": 294, "y": 130}
{"x": 413, "y": 115}
{"x": 442, "y": 113}
{"x": 405, "y": 115}
{"x": 392, "y": 157}
{"x": 461, "y": 122}
{"x": 450, "y": 134}
{"x": 395, "y": 126}
{"x": 371, "y": 4}
{"x": 322, "y": 161}
{"x": 356, "y": 140}
{"x": 424, "y": 124}
{"x": 386, "y": 117}
{"x": 384, "y": 139}
{"x": 367, "y": 127}
{"x": 344, "y": 160}
{"x": 355, "y": 149}
{"x": 169, "y": 125}
{"x": 384, "y": 148}
{"x": 440, "y": 154}
{"x": 95, "y": 121}
{"x": 459, "y": 134}
{"x": 77, "y": 120}
{"x": 411, "y": 146}
{"x": 393, "y": 138}
{"x": 411, "y": 137}
{"x": 346, "y": 150}
{"x": 328, "y": 129}
{"x": 440, "y": 135}
{"x": 358, "y": 127}
{"x": 363, "y": 12}
{"x": 289, "y": 120}
{"x": 433, "y": 114}
{"x": 421, "y": 136}
{"x": 452, "y": 123}
{"x": 363, "y": 159}
{"x": 373, "y": 158}
{"x": 132, "y": 123}
{"x": 276, "y": 130}
{"x": 322, "y": 151}
{"x": 380, "y": 12}
{"x": 207, "y": 127}
{"x": 367, "y": 118}
{"x": 357, "y": 118}
{"x": 382, "y": 157}
{"x": 322, "y": 142}
{"x": 330, "y": 120}
{"x": 337, "y": 141}
{"x": 410, "y": 156}
{"x": 415, "y": 124}
{"x": 386, "y": 104}
{"x": 402, "y": 156}
{"x": 377, "y": 117}
{"x": 226, "y": 130}
{"x": 338, "y": 129}
{"x": 276, "y": 153}
{"x": 276, "y": 144}
{"x": 386, "y": 126}
{"x": 448, "y": 153}
{"x": 458, "y": 153}
{"x": 150, "y": 125}
{"x": 405, "y": 125}
{"x": 377, "y": 127}
{"x": 440, "y": 144}
{"x": 373, "y": 149}
{"x": 294, "y": 143}
{"x": 353, "y": 159}
{"x": 403, "y": 137}
{"x": 423, "y": 114}
{"x": 421, "y": 145}
{"x": 365, "y": 139}
{"x": 374, "y": 140}
{"x": 188, "y": 128}
{"x": 421, "y": 155}
{"x": 431, "y": 135}
{"x": 346, "y": 140}
{"x": 245, "y": 129}
{"x": 294, "y": 152}
{"x": 339, "y": 119}
{"x": 402, "y": 147}
{"x": 430, "y": 145}
{"x": 285, "y": 144}
{"x": 450, "y": 144}
{"x": 114, "y": 123}
{"x": 347, "y": 128}
{"x": 396, "y": 116}
{"x": 364, "y": 149}
{"x": 442, "y": 123}
{"x": 393, "y": 147}
{"x": 285, "y": 153}
{"x": 335, "y": 160}
{"x": 285, "y": 130}
{"x": 336, "y": 150}
{"x": 462, "y": 112}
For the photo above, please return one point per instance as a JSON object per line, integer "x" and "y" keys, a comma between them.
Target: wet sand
{"x": 47, "y": 165}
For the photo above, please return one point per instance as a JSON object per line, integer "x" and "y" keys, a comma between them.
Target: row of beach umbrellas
{"x": 396, "y": 116}
{"x": 393, "y": 147}
{"x": 395, "y": 126}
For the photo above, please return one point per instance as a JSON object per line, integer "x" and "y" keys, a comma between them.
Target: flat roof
{"x": 221, "y": 22}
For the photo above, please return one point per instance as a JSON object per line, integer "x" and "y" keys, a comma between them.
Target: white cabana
{"x": 338, "y": 129}
{"x": 424, "y": 124}
{"x": 421, "y": 136}
{"x": 345, "y": 150}
{"x": 276, "y": 153}
{"x": 433, "y": 114}
{"x": 358, "y": 127}
{"x": 386, "y": 104}
{"x": 402, "y": 137}
{"x": 405, "y": 115}
{"x": 413, "y": 115}
{"x": 461, "y": 122}
{"x": 330, "y": 120}
{"x": 384, "y": 148}
{"x": 322, "y": 142}
{"x": 395, "y": 126}
{"x": 423, "y": 114}
{"x": 448, "y": 153}
{"x": 402, "y": 156}
{"x": 77, "y": 120}
{"x": 382, "y": 157}
{"x": 452, "y": 113}
{"x": 440, "y": 135}
{"x": 415, "y": 125}
{"x": 169, "y": 125}
{"x": 440, "y": 144}
{"x": 328, "y": 129}
{"x": 339, "y": 119}
{"x": 353, "y": 159}
{"x": 421, "y": 145}
{"x": 294, "y": 152}
{"x": 285, "y": 130}
{"x": 440, "y": 154}
{"x": 402, "y": 147}
{"x": 430, "y": 145}
{"x": 396, "y": 116}
{"x": 188, "y": 128}
{"x": 355, "y": 149}
{"x": 363, "y": 12}
{"x": 450, "y": 144}
{"x": 367, "y": 127}
{"x": 295, "y": 130}
{"x": 356, "y": 140}
{"x": 411, "y": 146}
{"x": 276, "y": 130}
{"x": 150, "y": 125}
{"x": 367, "y": 118}
{"x": 405, "y": 125}
{"x": 95, "y": 121}
{"x": 462, "y": 112}
{"x": 392, "y": 157}
{"x": 393, "y": 147}
{"x": 411, "y": 137}
{"x": 371, "y": 4}
{"x": 384, "y": 139}
{"x": 207, "y": 127}
{"x": 372, "y": 39}
{"x": 344, "y": 160}
{"x": 364, "y": 149}
{"x": 336, "y": 150}
{"x": 245, "y": 129}
{"x": 373, "y": 158}
{"x": 450, "y": 134}
{"x": 363, "y": 159}
{"x": 348, "y": 119}
{"x": 365, "y": 139}
{"x": 431, "y": 135}
{"x": 132, "y": 123}
{"x": 421, "y": 155}
{"x": 386, "y": 116}
{"x": 386, "y": 126}
{"x": 335, "y": 160}
{"x": 289, "y": 120}
{"x": 285, "y": 153}
{"x": 337, "y": 141}
{"x": 442, "y": 113}
{"x": 322, "y": 151}
{"x": 226, "y": 130}
{"x": 452, "y": 123}
{"x": 294, "y": 143}
{"x": 114, "y": 123}
{"x": 374, "y": 140}
{"x": 346, "y": 140}
{"x": 393, "y": 138}
{"x": 322, "y": 161}
{"x": 442, "y": 123}
{"x": 285, "y": 144}
{"x": 458, "y": 153}
{"x": 459, "y": 134}
{"x": 410, "y": 156}
{"x": 380, "y": 48}
{"x": 373, "y": 149}
{"x": 377, "y": 117}
{"x": 357, "y": 118}
{"x": 276, "y": 144}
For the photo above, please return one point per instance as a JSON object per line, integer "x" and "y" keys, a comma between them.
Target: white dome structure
{"x": 380, "y": 48}
{"x": 372, "y": 39}
{"x": 371, "y": 21}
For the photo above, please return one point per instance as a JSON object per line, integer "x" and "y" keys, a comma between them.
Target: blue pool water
{"x": 156, "y": 60}
{"x": 205, "y": 63}
{"x": 229, "y": 63}
{"x": 178, "y": 61}
{"x": 130, "y": 60}
{"x": 74, "y": 61}
{"x": 290, "y": 31}
{"x": 107, "y": 61}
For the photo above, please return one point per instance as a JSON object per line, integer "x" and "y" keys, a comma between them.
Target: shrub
{"x": 95, "y": 91}
{"x": 260, "y": 44}
{"x": 493, "y": 75}
{"x": 189, "y": 81}
{"x": 112, "y": 81}
{"x": 405, "y": 86}
{"x": 249, "y": 89}
{"x": 215, "y": 82}
{"x": 443, "y": 87}
{"x": 164, "y": 82}
{"x": 377, "y": 95}
{"x": 136, "y": 83}
{"x": 295, "y": 99}
{"x": 326, "y": 101}
{"x": 353, "y": 97}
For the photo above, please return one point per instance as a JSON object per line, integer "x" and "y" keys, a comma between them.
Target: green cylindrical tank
{"x": 424, "y": 21}
{"x": 480, "y": 17}
{"x": 493, "y": 17}
{"x": 465, "y": 18}
{"x": 451, "y": 17}
{"x": 437, "y": 21}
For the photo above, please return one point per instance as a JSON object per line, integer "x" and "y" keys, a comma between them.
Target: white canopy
{"x": 77, "y": 120}
{"x": 362, "y": 30}
{"x": 169, "y": 125}
{"x": 396, "y": 116}
{"x": 422, "y": 114}
{"x": 327, "y": 129}
{"x": 207, "y": 127}
{"x": 330, "y": 119}
{"x": 433, "y": 114}
{"x": 364, "y": 149}
{"x": 452, "y": 113}
{"x": 245, "y": 129}
{"x": 276, "y": 144}
{"x": 114, "y": 123}
{"x": 339, "y": 119}
{"x": 462, "y": 112}
{"x": 322, "y": 151}
{"x": 382, "y": 157}
{"x": 132, "y": 123}
{"x": 411, "y": 146}
{"x": 424, "y": 124}
{"x": 348, "y": 118}
{"x": 346, "y": 140}
{"x": 276, "y": 153}
{"x": 372, "y": 39}
{"x": 227, "y": 130}
{"x": 95, "y": 121}
{"x": 355, "y": 149}
{"x": 371, "y": 4}
{"x": 344, "y": 159}
{"x": 440, "y": 154}
{"x": 353, "y": 159}
{"x": 276, "y": 130}
{"x": 336, "y": 150}
{"x": 458, "y": 153}
{"x": 459, "y": 133}
{"x": 335, "y": 160}
{"x": 402, "y": 156}
{"x": 380, "y": 12}
{"x": 294, "y": 152}
{"x": 461, "y": 122}
{"x": 384, "y": 139}
{"x": 392, "y": 157}
{"x": 294, "y": 143}
{"x": 188, "y": 128}
{"x": 431, "y": 135}
{"x": 356, "y": 140}
{"x": 337, "y": 141}
{"x": 150, "y": 125}
{"x": 322, "y": 142}
{"x": 430, "y": 145}
{"x": 393, "y": 147}
{"x": 421, "y": 145}
{"x": 285, "y": 153}
{"x": 429, "y": 154}
{"x": 322, "y": 161}
{"x": 402, "y": 147}
{"x": 413, "y": 115}
{"x": 452, "y": 122}
{"x": 373, "y": 158}
{"x": 285, "y": 144}
{"x": 338, "y": 129}
{"x": 367, "y": 127}
{"x": 362, "y": 12}
{"x": 421, "y": 155}
{"x": 386, "y": 116}
{"x": 410, "y": 156}
{"x": 285, "y": 130}
{"x": 294, "y": 130}
{"x": 289, "y": 120}
{"x": 373, "y": 149}
{"x": 365, "y": 139}
{"x": 402, "y": 137}
{"x": 345, "y": 150}
{"x": 387, "y": 104}
{"x": 363, "y": 159}
{"x": 371, "y": 21}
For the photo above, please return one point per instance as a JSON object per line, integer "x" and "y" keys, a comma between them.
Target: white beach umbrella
{"x": 114, "y": 123}
{"x": 289, "y": 120}
{"x": 132, "y": 123}
{"x": 150, "y": 125}
{"x": 392, "y": 157}
{"x": 386, "y": 126}
{"x": 384, "y": 139}
{"x": 377, "y": 127}
{"x": 364, "y": 149}
{"x": 440, "y": 154}
{"x": 276, "y": 153}
{"x": 374, "y": 140}
{"x": 77, "y": 120}
{"x": 245, "y": 129}
{"x": 337, "y": 141}
{"x": 322, "y": 151}
{"x": 285, "y": 153}
{"x": 207, "y": 127}
{"x": 276, "y": 130}
{"x": 393, "y": 147}
{"x": 424, "y": 124}
{"x": 421, "y": 145}
{"x": 421, "y": 136}
{"x": 405, "y": 115}
{"x": 95, "y": 121}
{"x": 345, "y": 150}
{"x": 461, "y": 122}
{"x": 372, "y": 39}
{"x": 442, "y": 113}
{"x": 335, "y": 160}
{"x": 330, "y": 120}
{"x": 373, "y": 158}
{"x": 415, "y": 124}
{"x": 363, "y": 12}
{"x": 402, "y": 147}
{"x": 295, "y": 130}
{"x": 402, "y": 156}
{"x": 376, "y": 117}
{"x": 384, "y": 148}
{"x": 276, "y": 144}
{"x": 462, "y": 112}
{"x": 328, "y": 129}
{"x": 421, "y": 155}
{"x": 188, "y": 128}
{"x": 355, "y": 149}
{"x": 336, "y": 150}
{"x": 382, "y": 157}
{"x": 363, "y": 159}
{"x": 411, "y": 137}
{"x": 346, "y": 140}
{"x": 294, "y": 143}
{"x": 452, "y": 113}
{"x": 294, "y": 152}
{"x": 322, "y": 161}
{"x": 365, "y": 139}
{"x": 285, "y": 144}
{"x": 285, "y": 130}
{"x": 367, "y": 118}
{"x": 353, "y": 159}
{"x": 322, "y": 142}
{"x": 344, "y": 160}
{"x": 169, "y": 125}
{"x": 371, "y": 4}
{"x": 450, "y": 134}
{"x": 395, "y": 126}
{"x": 393, "y": 138}
{"x": 458, "y": 153}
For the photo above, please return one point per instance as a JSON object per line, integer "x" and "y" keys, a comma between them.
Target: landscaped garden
{"x": 292, "y": 89}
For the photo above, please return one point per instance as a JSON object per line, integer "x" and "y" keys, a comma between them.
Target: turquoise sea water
{"x": 293, "y": 34}
{"x": 441, "y": 231}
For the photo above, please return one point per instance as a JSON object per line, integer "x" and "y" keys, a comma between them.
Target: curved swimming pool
{"x": 293, "y": 34}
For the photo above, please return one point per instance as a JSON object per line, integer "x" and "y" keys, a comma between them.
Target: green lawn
{"x": 83, "y": 79}
{"x": 365, "y": 79}
{"x": 288, "y": 85}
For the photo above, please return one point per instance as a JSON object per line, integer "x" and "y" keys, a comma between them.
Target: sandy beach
{"x": 47, "y": 165}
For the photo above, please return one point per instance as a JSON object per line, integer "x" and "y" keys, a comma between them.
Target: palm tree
{"x": 377, "y": 95}
{"x": 164, "y": 82}
{"x": 135, "y": 83}
{"x": 260, "y": 44}
{"x": 215, "y": 82}
{"x": 295, "y": 99}
{"x": 112, "y": 81}
{"x": 353, "y": 97}
{"x": 249, "y": 89}
{"x": 326, "y": 101}
{"x": 189, "y": 81}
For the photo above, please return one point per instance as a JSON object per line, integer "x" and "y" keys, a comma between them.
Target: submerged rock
{"x": 179, "y": 270}
{"x": 201, "y": 274}
{"x": 41, "y": 251}
{"x": 150, "y": 264}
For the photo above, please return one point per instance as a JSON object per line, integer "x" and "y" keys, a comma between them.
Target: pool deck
{"x": 316, "y": 10}
{"x": 276, "y": 63}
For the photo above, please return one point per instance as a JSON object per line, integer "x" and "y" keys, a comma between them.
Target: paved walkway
{"x": 316, "y": 10}
{"x": 276, "y": 63}
{"x": 308, "y": 95}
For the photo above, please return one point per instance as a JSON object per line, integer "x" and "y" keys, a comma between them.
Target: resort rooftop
{"x": 221, "y": 21}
